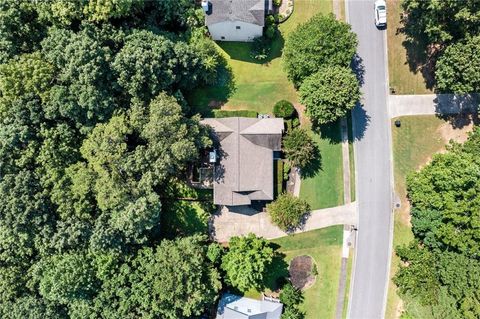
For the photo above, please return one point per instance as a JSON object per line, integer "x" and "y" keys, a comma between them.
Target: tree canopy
{"x": 458, "y": 68}
{"x": 329, "y": 93}
{"x": 438, "y": 268}
{"x": 333, "y": 44}
{"x": 246, "y": 261}
{"x": 91, "y": 143}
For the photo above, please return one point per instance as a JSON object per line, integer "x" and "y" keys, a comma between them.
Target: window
{"x": 237, "y": 27}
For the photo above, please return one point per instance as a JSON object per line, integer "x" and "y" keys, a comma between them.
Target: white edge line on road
{"x": 352, "y": 274}
{"x": 392, "y": 187}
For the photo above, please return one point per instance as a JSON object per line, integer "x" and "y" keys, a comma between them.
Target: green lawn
{"x": 324, "y": 187}
{"x": 402, "y": 78}
{"x": 324, "y": 246}
{"x": 257, "y": 86}
{"x": 413, "y": 144}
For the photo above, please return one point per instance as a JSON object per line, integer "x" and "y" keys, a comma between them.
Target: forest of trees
{"x": 441, "y": 267}
{"x": 94, "y": 127}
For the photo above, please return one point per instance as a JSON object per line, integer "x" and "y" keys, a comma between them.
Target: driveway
{"x": 242, "y": 220}
{"x": 373, "y": 169}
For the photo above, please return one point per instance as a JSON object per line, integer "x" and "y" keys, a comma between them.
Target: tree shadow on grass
{"x": 204, "y": 99}
{"x": 421, "y": 56}
{"x": 276, "y": 273}
{"x": 314, "y": 165}
{"x": 331, "y": 131}
{"x": 241, "y": 51}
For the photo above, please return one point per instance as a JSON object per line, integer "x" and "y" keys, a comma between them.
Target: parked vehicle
{"x": 380, "y": 13}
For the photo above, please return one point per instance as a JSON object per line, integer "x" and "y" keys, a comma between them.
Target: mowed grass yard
{"x": 402, "y": 78}
{"x": 324, "y": 246}
{"x": 414, "y": 143}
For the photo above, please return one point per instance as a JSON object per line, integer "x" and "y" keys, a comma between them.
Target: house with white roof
{"x": 236, "y": 307}
{"x": 235, "y": 20}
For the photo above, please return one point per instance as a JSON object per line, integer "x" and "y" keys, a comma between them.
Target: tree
{"x": 246, "y": 261}
{"x": 333, "y": 44}
{"x": 84, "y": 89}
{"x": 329, "y": 93}
{"x": 20, "y": 30}
{"x": 458, "y": 68}
{"x": 441, "y": 21}
{"x": 174, "y": 280}
{"x": 65, "y": 278}
{"x": 150, "y": 63}
{"x": 288, "y": 211}
{"x": 290, "y": 296}
{"x": 299, "y": 147}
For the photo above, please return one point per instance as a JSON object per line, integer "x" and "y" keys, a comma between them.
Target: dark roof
{"x": 245, "y": 171}
{"x": 250, "y": 11}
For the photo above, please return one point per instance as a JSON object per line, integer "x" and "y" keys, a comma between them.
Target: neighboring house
{"x": 235, "y": 307}
{"x": 235, "y": 20}
{"x": 244, "y": 172}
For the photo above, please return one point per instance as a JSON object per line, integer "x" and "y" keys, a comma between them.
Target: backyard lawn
{"x": 324, "y": 246}
{"x": 414, "y": 143}
{"x": 402, "y": 78}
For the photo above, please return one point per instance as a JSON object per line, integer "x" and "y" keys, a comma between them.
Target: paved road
{"x": 372, "y": 161}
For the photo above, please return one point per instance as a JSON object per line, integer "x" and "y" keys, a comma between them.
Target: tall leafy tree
{"x": 333, "y": 43}
{"x": 458, "y": 68}
{"x": 20, "y": 30}
{"x": 329, "y": 93}
{"x": 299, "y": 147}
{"x": 288, "y": 211}
{"x": 246, "y": 261}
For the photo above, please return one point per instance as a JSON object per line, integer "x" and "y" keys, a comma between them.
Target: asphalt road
{"x": 373, "y": 170}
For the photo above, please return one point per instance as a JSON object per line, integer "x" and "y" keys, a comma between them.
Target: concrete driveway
{"x": 242, "y": 220}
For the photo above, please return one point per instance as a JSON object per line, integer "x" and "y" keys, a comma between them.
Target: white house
{"x": 235, "y": 20}
{"x": 236, "y": 307}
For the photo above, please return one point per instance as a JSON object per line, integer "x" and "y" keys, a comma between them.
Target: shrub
{"x": 329, "y": 93}
{"x": 290, "y": 295}
{"x": 298, "y": 147}
{"x": 234, "y": 113}
{"x": 283, "y": 108}
{"x": 277, "y": 3}
{"x": 260, "y": 50}
{"x": 287, "y": 211}
{"x": 293, "y": 313}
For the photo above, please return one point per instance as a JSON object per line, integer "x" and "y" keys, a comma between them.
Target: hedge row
{"x": 234, "y": 113}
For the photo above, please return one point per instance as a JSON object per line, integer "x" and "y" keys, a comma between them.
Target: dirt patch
{"x": 301, "y": 272}
{"x": 448, "y": 132}
{"x": 215, "y": 104}
{"x": 301, "y": 113}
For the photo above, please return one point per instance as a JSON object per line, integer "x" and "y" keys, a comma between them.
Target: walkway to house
{"x": 432, "y": 104}
{"x": 242, "y": 220}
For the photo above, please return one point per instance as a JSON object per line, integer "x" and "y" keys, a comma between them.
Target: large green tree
{"x": 329, "y": 93}
{"x": 441, "y": 21}
{"x": 246, "y": 261}
{"x": 458, "y": 68}
{"x": 323, "y": 40}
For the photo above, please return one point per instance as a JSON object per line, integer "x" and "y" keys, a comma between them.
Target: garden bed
{"x": 302, "y": 274}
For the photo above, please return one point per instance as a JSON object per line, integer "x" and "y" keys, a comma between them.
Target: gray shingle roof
{"x": 250, "y": 11}
{"x": 245, "y": 169}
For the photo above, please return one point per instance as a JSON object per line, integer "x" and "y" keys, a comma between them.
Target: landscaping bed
{"x": 302, "y": 272}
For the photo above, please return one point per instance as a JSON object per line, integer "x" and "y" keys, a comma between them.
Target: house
{"x": 244, "y": 171}
{"x": 235, "y": 20}
{"x": 236, "y": 307}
